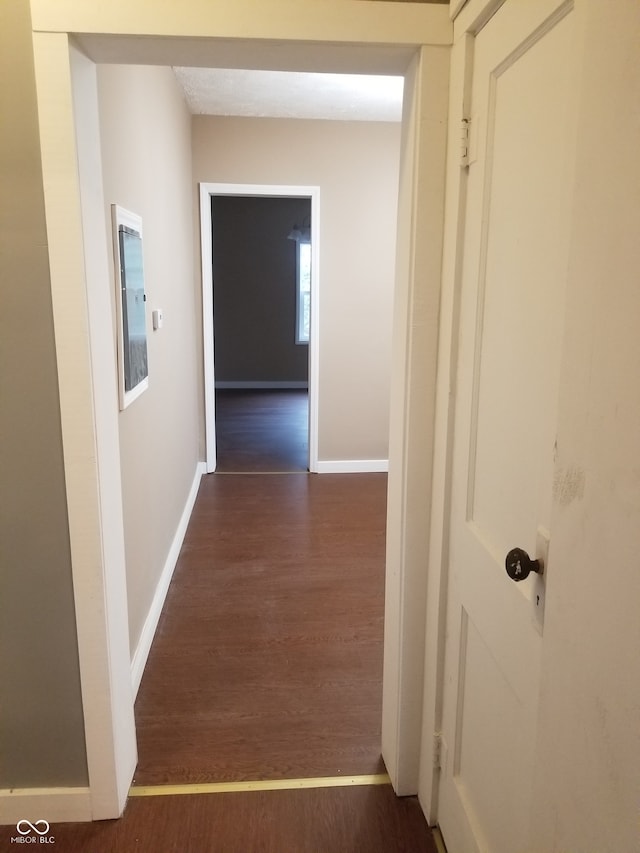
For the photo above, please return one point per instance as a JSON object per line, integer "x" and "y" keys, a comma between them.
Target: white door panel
{"x": 512, "y": 308}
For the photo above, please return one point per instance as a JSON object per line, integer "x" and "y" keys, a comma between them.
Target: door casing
{"x": 207, "y": 191}
{"x": 378, "y": 39}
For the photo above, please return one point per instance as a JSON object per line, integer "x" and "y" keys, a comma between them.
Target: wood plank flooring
{"x": 354, "y": 820}
{"x": 267, "y": 662}
{"x": 262, "y": 430}
{"x": 267, "y": 665}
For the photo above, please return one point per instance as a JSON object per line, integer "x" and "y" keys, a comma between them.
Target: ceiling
{"x": 287, "y": 94}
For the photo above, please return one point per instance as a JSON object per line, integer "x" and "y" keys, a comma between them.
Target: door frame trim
{"x": 207, "y": 191}
{"x": 75, "y": 226}
{"x": 412, "y": 415}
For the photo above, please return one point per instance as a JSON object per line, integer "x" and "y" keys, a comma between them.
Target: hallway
{"x": 267, "y": 663}
{"x": 267, "y": 667}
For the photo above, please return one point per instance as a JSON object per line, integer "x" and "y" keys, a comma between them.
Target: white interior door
{"x": 512, "y": 308}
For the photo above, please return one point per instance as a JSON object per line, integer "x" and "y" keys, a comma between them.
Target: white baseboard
{"x": 55, "y": 805}
{"x": 353, "y": 466}
{"x": 151, "y": 622}
{"x": 259, "y": 385}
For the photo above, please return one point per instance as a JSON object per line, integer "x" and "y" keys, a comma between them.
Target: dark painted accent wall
{"x": 41, "y": 722}
{"x": 254, "y": 289}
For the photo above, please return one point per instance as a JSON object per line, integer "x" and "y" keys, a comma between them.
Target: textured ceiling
{"x": 284, "y": 94}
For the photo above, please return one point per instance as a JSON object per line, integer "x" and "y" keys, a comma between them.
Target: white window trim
{"x": 299, "y": 309}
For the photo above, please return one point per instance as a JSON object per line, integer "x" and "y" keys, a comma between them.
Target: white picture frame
{"x": 131, "y": 307}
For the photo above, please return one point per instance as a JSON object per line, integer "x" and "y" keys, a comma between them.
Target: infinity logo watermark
{"x": 32, "y": 827}
{"x": 33, "y": 833}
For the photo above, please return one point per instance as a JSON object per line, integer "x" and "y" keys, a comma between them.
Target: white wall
{"x": 146, "y": 153}
{"x": 355, "y": 164}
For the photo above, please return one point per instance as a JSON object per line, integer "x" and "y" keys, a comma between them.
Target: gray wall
{"x": 41, "y": 723}
{"x": 254, "y": 277}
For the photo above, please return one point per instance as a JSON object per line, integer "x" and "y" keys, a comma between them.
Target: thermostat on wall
{"x": 156, "y": 317}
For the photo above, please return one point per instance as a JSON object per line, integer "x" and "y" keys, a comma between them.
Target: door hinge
{"x": 465, "y": 135}
{"x": 437, "y": 750}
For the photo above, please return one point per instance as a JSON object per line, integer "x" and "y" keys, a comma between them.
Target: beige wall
{"x": 146, "y": 154}
{"x": 355, "y": 164}
{"x": 41, "y": 725}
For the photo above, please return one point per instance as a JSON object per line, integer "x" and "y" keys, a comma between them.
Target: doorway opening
{"x": 111, "y": 747}
{"x": 261, "y": 309}
{"x": 237, "y": 344}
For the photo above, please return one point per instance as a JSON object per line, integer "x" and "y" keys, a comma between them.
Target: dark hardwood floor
{"x": 262, "y": 430}
{"x": 267, "y": 665}
{"x": 336, "y": 820}
{"x": 267, "y": 662}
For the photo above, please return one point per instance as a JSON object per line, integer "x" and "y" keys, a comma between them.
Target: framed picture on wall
{"x": 133, "y": 367}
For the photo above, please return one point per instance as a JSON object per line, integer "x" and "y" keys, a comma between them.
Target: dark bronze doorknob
{"x": 519, "y": 564}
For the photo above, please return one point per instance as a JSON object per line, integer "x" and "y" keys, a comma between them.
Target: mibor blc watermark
{"x": 33, "y": 833}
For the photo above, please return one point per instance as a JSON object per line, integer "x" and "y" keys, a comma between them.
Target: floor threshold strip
{"x": 258, "y": 785}
{"x": 254, "y": 473}
{"x": 439, "y": 840}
